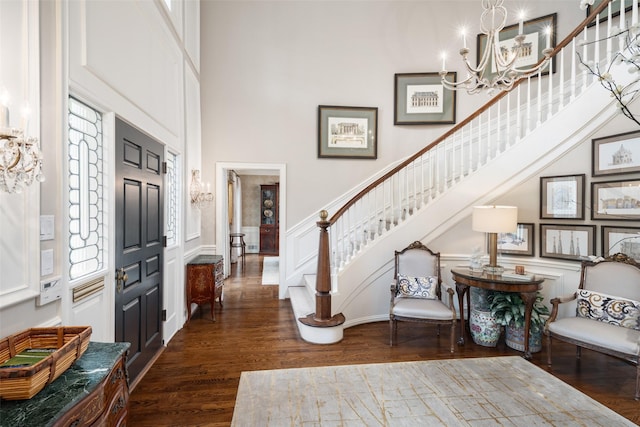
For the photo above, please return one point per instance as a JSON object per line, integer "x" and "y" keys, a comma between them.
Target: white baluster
{"x": 596, "y": 45}
{"x": 561, "y": 101}
{"x": 609, "y": 26}
{"x": 622, "y": 25}
{"x": 528, "y": 129}
{"x": 573, "y": 86}
{"x": 518, "y": 114}
{"x": 507, "y": 131}
{"x": 550, "y": 89}
{"x": 539, "y": 100}
{"x": 585, "y": 58}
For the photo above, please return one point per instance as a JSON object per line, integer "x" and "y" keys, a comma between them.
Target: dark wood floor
{"x": 194, "y": 382}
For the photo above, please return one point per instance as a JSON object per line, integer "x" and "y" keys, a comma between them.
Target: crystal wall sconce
{"x": 199, "y": 197}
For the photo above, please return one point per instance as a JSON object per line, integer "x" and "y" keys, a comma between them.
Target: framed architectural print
{"x": 521, "y": 242}
{"x": 616, "y": 200}
{"x": 537, "y": 38}
{"x": 421, "y": 99}
{"x": 624, "y": 240}
{"x": 617, "y": 154}
{"x": 571, "y": 242}
{"x": 347, "y": 132}
{"x": 562, "y": 197}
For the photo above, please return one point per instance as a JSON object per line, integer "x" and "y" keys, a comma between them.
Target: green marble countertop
{"x": 73, "y": 385}
{"x": 206, "y": 259}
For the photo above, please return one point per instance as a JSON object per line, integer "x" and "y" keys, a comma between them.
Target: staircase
{"x": 505, "y": 143}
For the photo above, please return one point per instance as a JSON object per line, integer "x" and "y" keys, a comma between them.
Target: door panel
{"x": 139, "y": 249}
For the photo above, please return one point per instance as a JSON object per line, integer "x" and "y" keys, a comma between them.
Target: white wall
{"x": 267, "y": 65}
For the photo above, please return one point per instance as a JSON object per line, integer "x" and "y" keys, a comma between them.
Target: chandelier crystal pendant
{"x": 497, "y": 68}
{"x": 20, "y": 160}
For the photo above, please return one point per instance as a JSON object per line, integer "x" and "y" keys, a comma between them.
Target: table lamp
{"x": 493, "y": 220}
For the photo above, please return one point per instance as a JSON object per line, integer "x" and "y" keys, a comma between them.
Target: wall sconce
{"x": 493, "y": 220}
{"x": 199, "y": 198}
{"x": 20, "y": 156}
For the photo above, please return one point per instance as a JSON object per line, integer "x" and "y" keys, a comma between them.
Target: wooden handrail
{"x": 464, "y": 122}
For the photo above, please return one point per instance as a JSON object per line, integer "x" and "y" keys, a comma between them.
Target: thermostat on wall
{"x": 50, "y": 290}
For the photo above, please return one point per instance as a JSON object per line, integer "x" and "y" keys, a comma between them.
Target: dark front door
{"x": 139, "y": 245}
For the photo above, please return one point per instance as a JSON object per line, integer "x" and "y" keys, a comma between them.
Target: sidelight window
{"x": 86, "y": 190}
{"x": 173, "y": 196}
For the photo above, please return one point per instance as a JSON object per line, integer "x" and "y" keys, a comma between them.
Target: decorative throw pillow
{"x": 417, "y": 287}
{"x": 609, "y": 309}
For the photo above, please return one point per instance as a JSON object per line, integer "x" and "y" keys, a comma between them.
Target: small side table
{"x": 236, "y": 240}
{"x": 205, "y": 281}
{"x": 528, "y": 289}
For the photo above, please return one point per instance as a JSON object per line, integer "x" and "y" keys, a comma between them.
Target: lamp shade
{"x": 494, "y": 219}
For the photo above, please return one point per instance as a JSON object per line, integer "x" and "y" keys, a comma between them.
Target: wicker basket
{"x": 25, "y": 382}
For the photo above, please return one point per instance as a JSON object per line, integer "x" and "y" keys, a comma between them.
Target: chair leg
{"x": 578, "y": 352}
{"x": 453, "y": 336}
{"x": 438, "y": 330}
{"x": 548, "y": 350}
{"x": 393, "y": 330}
{"x": 638, "y": 379}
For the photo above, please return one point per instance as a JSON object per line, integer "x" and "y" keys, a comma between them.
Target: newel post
{"x": 322, "y": 317}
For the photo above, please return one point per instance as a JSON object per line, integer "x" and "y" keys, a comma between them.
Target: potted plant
{"x": 508, "y": 310}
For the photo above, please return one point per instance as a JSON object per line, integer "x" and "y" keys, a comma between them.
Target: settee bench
{"x": 607, "y": 315}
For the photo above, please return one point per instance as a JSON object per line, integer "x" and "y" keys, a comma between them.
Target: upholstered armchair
{"x": 607, "y": 315}
{"x": 416, "y": 291}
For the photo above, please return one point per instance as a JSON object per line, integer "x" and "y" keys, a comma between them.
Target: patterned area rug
{"x": 270, "y": 270}
{"x": 507, "y": 391}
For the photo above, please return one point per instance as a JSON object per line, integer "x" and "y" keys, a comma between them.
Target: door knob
{"x": 121, "y": 279}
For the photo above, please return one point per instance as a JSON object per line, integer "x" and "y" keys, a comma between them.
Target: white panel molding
{"x": 252, "y": 239}
{"x": 94, "y": 312}
{"x": 19, "y": 213}
{"x": 51, "y": 323}
{"x": 125, "y": 70}
{"x": 192, "y": 33}
{"x": 173, "y": 295}
{"x": 193, "y": 157}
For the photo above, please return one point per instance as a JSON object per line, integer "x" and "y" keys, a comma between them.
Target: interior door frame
{"x": 222, "y": 211}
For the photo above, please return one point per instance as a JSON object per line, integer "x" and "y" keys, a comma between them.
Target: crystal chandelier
{"x": 20, "y": 160}
{"x": 497, "y": 68}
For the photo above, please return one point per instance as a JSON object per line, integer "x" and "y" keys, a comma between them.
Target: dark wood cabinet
{"x": 269, "y": 219}
{"x": 205, "y": 279}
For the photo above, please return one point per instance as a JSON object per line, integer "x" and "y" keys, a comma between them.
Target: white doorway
{"x": 222, "y": 209}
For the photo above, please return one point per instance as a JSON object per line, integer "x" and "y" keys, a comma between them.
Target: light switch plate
{"x": 46, "y": 227}
{"x": 46, "y": 262}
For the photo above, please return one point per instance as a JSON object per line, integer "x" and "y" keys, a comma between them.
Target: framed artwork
{"x": 347, "y": 132}
{"x": 421, "y": 99}
{"x": 562, "y": 197}
{"x": 521, "y": 242}
{"x": 535, "y": 31}
{"x": 617, "y": 154}
{"x": 571, "y": 242}
{"x": 616, "y": 200}
{"x": 615, "y": 10}
{"x": 624, "y": 240}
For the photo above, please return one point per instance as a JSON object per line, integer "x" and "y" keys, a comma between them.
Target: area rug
{"x": 507, "y": 391}
{"x": 270, "y": 270}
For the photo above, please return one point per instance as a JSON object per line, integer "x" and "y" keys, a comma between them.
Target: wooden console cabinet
{"x": 269, "y": 219}
{"x": 205, "y": 280}
{"x": 94, "y": 391}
